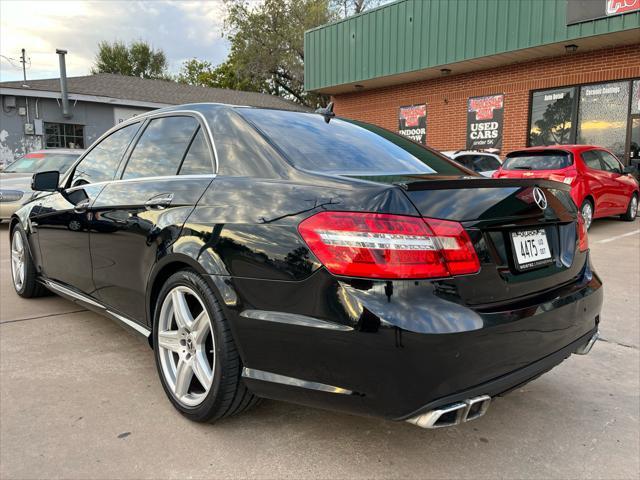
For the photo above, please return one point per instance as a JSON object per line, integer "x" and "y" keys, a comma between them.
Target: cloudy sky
{"x": 183, "y": 29}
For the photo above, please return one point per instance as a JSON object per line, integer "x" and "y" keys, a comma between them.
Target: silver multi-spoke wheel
{"x": 186, "y": 346}
{"x": 18, "y": 264}
{"x": 633, "y": 207}
{"x": 587, "y": 214}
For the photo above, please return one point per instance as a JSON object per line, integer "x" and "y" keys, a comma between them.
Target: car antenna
{"x": 327, "y": 112}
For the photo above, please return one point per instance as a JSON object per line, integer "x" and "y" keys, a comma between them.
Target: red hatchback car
{"x": 600, "y": 185}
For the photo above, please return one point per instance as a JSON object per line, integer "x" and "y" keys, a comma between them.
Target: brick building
{"x": 492, "y": 74}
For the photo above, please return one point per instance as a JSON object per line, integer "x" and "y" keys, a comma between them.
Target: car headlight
{"x": 10, "y": 195}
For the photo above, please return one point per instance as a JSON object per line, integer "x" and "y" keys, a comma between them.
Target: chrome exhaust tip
{"x": 453, "y": 414}
{"x": 586, "y": 348}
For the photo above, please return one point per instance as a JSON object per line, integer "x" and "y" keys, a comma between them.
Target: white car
{"x": 15, "y": 179}
{"x": 484, "y": 163}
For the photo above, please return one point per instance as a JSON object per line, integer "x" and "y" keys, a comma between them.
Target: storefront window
{"x": 603, "y": 114}
{"x": 552, "y": 114}
{"x": 635, "y": 100}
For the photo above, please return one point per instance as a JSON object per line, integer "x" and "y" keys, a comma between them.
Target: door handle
{"x": 159, "y": 201}
{"x": 82, "y": 206}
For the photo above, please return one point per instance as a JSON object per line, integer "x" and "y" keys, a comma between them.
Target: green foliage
{"x": 204, "y": 74}
{"x": 138, "y": 59}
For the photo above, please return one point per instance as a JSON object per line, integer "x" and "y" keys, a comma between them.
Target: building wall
{"x": 96, "y": 118}
{"x": 446, "y": 97}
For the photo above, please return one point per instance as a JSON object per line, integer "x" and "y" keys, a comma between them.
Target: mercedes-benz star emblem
{"x": 540, "y": 198}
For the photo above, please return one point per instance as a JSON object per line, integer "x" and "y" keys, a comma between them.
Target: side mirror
{"x": 45, "y": 181}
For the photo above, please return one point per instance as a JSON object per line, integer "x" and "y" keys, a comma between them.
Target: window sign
{"x": 412, "y": 123}
{"x": 552, "y": 117}
{"x": 484, "y": 122}
{"x": 602, "y": 116}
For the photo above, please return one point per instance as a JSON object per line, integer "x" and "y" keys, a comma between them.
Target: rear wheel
{"x": 196, "y": 357}
{"x": 23, "y": 271}
{"x": 586, "y": 210}
{"x": 632, "y": 209}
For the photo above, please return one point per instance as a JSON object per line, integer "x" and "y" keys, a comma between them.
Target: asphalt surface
{"x": 80, "y": 398}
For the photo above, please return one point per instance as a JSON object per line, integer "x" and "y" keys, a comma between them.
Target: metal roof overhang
{"x": 626, "y": 37}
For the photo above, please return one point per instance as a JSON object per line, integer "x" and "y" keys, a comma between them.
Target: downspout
{"x": 66, "y": 113}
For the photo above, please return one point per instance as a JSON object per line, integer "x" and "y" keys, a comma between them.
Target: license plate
{"x": 531, "y": 248}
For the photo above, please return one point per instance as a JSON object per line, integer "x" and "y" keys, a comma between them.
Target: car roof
{"x": 573, "y": 148}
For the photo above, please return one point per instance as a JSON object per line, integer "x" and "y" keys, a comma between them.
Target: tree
{"x": 138, "y": 59}
{"x": 267, "y": 44}
{"x": 203, "y": 74}
{"x": 345, "y": 8}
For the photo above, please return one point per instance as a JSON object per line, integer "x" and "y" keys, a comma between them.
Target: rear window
{"x": 537, "y": 161}
{"x": 344, "y": 146}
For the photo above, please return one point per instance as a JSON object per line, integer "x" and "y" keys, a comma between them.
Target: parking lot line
{"x": 617, "y": 237}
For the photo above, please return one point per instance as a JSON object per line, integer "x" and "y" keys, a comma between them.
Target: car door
{"x": 62, "y": 219}
{"x": 617, "y": 187}
{"x": 596, "y": 181}
{"x": 138, "y": 216}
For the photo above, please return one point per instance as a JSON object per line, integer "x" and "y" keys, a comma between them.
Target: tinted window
{"x": 551, "y": 117}
{"x": 609, "y": 162}
{"x": 102, "y": 161}
{"x": 198, "y": 159}
{"x": 484, "y": 163}
{"x": 161, "y": 147}
{"x": 536, "y": 161}
{"x": 344, "y": 147}
{"x": 466, "y": 160}
{"x": 591, "y": 159}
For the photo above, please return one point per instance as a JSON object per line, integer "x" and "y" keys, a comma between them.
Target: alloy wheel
{"x": 186, "y": 346}
{"x": 18, "y": 265}
{"x": 587, "y": 214}
{"x": 633, "y": 208}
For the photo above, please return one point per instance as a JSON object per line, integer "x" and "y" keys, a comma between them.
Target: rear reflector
{"x": 374, "y": 245}
{"x": 583, "y": 239}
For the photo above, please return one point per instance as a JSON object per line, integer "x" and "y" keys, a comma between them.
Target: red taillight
{"x": 374, "y": 245}
{"x": 35, "y": 155}
{"x": 583, "y": 239}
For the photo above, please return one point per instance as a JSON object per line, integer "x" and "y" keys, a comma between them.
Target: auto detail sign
{"x": 585, "y": 10}
{"x": 412, "y": 123}
{"x": 484, "y": 122}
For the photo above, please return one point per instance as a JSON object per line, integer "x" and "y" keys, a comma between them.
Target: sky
{"x": 183, "y": 29}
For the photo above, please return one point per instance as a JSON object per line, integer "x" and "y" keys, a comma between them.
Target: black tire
{"x": 228, "y": 394}
{"x": 589, "y": 203}
{"x": 629, "y": 215}
{"x": 30, "y": 287}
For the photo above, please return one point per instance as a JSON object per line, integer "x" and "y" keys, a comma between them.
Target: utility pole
{"x": 23, "y": 61}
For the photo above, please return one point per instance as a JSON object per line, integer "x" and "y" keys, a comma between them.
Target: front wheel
{"x": 586, "y": 210}
{"x": 632, "y": 209}
{"x": 196, "y": 357}
{"x": 23, "y": 271}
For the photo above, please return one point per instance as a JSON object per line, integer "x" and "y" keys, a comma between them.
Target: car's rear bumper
{"x": 394, "y": 349}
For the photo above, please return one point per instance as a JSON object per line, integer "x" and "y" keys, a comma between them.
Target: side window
{"x": 484, "y": 163}
{"x": 161, "y": 147}
{"x": 102, "y": 161}
{"x": 198, "y": 158}
{"x": 591, "y": 159}
{"x": 466, "y": 160}
{"x": 609, "y": 162}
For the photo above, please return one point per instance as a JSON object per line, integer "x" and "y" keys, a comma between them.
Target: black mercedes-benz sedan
{"x": 312, "y": 259}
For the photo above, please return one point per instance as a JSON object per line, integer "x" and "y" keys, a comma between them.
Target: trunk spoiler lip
{"x": 457, "y": 183}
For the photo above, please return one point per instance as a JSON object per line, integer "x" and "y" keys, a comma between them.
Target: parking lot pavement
{"x": 80, "y": 398}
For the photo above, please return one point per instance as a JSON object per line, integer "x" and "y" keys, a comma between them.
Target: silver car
{"x": 15, "y": 179}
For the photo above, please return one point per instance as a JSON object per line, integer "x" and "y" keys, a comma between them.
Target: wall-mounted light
{"x": 572, "y": 48}
{"x": 445, "y": 71}
{"x": 358, "y": 86}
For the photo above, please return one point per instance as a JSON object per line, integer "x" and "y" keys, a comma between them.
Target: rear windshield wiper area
{"x": 521, "y": 168}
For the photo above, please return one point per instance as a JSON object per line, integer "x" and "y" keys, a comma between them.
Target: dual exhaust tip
{"x": 453, "y": 414}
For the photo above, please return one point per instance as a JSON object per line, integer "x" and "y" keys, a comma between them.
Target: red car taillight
{"x": 583, "y": 239}
{"x": 375, "y": 245}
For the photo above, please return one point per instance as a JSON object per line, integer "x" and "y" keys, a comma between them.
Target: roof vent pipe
{"x": 66, "y": 113}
